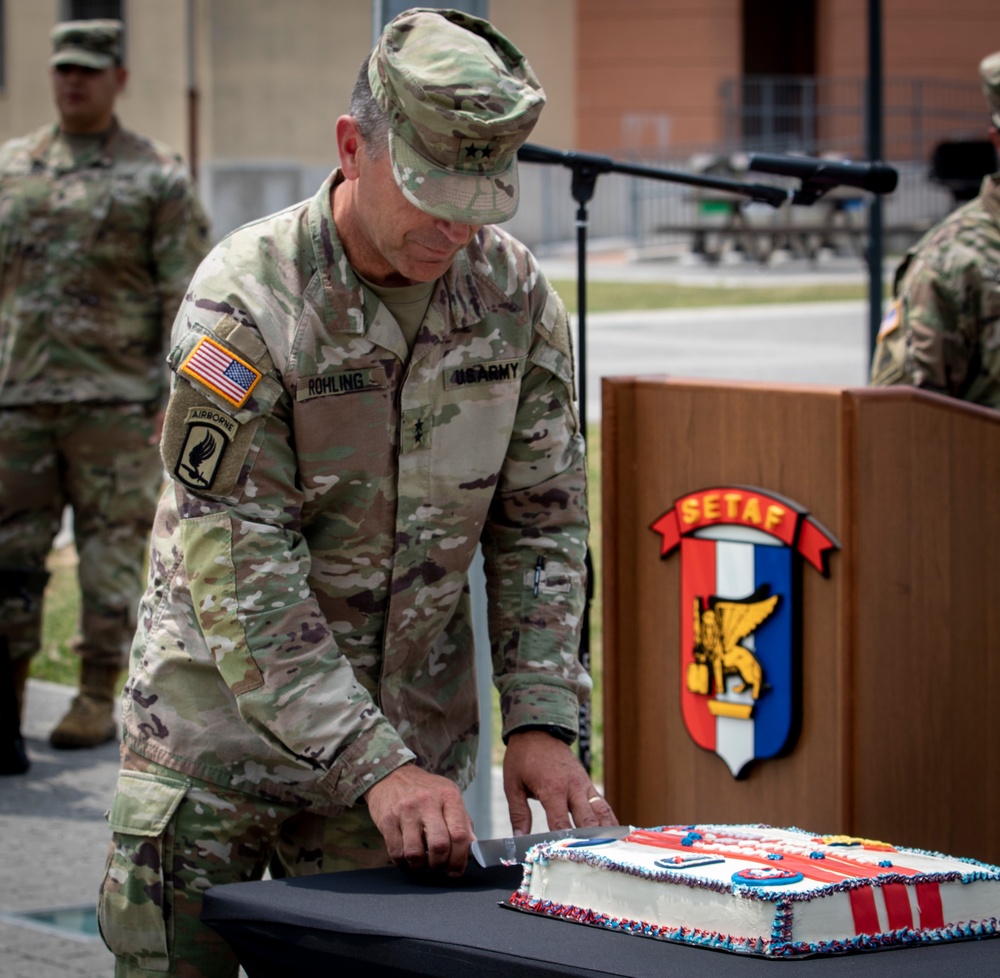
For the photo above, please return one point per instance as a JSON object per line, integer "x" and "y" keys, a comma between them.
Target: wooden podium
{"x": 898, "y": 669}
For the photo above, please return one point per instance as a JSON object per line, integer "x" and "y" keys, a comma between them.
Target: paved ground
{"x": 811, "y": 342}
{"x": 53, "y": 841}
{"x": 53, "y": 837}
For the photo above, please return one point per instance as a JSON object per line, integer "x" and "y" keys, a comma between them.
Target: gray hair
{"x": 372, "y": 122}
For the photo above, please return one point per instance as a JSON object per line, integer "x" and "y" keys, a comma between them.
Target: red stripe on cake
{"x": 830, "y": 869}
{"x": 929, "y": 903}
{"x": 863, "y": 910}
{"x": 897, "y": 906}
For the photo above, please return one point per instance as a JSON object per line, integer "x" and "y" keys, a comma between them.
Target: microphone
{"x": 530, "y": 153}
{"x": 821, "y": 175}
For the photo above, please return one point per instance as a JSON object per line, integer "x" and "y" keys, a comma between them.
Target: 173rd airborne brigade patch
{"x": 741, "y": 552}
{"x": 208, "y": 435}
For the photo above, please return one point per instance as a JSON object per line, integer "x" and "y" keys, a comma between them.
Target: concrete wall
{"x": 546, "y": 31}
{"x": 637, "y": 77}
{"x": 942, "y": 39}
{"x": 650, "y": 72}
{"x": 26, "y": 100}
{"x": 154, "y": 102}
{"x": 280, "y": 75}
{"x": 925, "y": 40}
{"x": 269, "y": 80}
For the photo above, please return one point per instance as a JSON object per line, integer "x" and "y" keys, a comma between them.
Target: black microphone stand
{"x": 586, "y": 169}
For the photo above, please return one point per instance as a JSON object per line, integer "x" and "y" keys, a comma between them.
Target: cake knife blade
{"x": 506, "y": 852}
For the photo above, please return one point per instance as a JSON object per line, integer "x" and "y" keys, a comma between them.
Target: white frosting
{"x": 632, "y": 898}
{"x": 613, "y": 879}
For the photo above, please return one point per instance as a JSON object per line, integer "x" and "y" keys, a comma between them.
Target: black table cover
{"x": 384, "y": 924}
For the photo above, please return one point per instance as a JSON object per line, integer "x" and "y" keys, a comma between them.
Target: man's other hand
{"x": 423, "y": 820}
{"x": 540, "y": 766}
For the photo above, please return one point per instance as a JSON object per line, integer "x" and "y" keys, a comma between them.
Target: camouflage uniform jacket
{"x": 95, "y": 255}
{"x": 306, "y": 629}
{"x": 942, "y": 332}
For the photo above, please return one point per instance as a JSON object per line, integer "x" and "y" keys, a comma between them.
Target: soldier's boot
{"x": 90, "y": 720}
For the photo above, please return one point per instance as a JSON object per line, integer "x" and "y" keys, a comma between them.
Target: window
{"x": 779, "y": 68}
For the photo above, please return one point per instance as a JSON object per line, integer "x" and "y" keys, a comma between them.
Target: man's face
{"x": 388, "y": 240}
{"x": 85, "y": 97}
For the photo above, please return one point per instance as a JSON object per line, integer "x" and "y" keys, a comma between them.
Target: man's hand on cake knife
{"x": 422, "y": 819}
{"x": 540, "y": 766}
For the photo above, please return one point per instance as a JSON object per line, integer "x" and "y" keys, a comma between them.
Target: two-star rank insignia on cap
{"x": 213, "y": 365}
{"x": 475, "y": 151}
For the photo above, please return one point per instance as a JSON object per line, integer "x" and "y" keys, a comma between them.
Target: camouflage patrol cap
{"x": 460, "y": 99}
{"x": 989, "y": 72}
{"x": 89, "y": 43}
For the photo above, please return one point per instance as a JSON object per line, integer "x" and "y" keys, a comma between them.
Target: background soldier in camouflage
{"x": 100, "y": 232}
{"x": 368, "y": 385}
{"x": 942, "y": 332}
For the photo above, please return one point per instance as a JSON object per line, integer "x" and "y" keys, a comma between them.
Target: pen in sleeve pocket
{"x": 539, "y": 564}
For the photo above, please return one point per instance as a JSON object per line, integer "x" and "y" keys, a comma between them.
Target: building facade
{"x": 248, "y": 91}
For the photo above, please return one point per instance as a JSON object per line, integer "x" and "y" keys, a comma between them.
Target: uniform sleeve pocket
{"x": 133, "y": 907}
{"x": 208, "y": 558}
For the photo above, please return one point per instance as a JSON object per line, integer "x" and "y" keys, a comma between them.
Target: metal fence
{"x": 783, "y": 114}
{"x": 815, "y": 116}
{"x": 805, "y": 115}
{"x": 654, "y": 216}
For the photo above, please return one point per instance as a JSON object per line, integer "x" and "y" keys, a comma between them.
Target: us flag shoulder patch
{"x": 891, "y": 319}
{"x": 211, "y": 364}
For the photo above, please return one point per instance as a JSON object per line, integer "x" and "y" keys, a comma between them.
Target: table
{"x": 384, "y": 924}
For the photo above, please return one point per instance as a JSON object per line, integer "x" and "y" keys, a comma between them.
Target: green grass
{"x": 61, "y": 612}
{"x": 630, "y": 296}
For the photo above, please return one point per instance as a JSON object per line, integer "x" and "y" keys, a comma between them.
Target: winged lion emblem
{"x": 719, "y": 631}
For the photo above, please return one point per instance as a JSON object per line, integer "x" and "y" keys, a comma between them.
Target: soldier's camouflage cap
{"x": 460, "y": 99}
{"x": 989, "y": 72}
{"x": 90, "y": 43}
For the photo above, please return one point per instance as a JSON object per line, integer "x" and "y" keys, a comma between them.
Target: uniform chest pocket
{"x": 64, "y": 215}
{"x": 472, "y": 424}
{"x": 129, "y": 212}
{"x": 26, "y": 213}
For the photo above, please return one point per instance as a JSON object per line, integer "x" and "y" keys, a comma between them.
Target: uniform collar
{"x": 52, "y": 148}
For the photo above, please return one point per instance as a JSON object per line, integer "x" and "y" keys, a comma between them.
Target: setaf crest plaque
{"x": 741, "y": 551}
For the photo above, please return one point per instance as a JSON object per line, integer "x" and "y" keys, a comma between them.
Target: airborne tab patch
{"x": 231, "y": 377}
